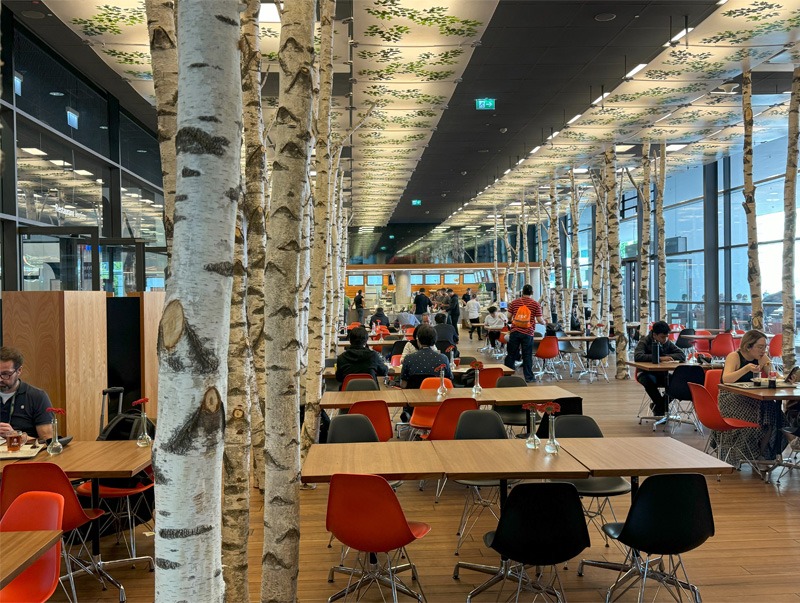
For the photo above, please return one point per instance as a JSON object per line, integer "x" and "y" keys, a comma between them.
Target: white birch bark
{"x": 615, "y": 265}
{"x": 598, "y": 261}
{"x": 509, "y": 284}
{"x": 498, "y": 284}
{"x": 187, "y": 457}
{"x": 644, "y": 248}
{"x": 576, "y": 290}
{"x": 284, "y": 280}
{"x": 790, "y": 225}
{"x": 164, "y": 63}
{"x": 555, "y": 251}
{"x": 661, "y": 247}
{"x": 749, "y": 205}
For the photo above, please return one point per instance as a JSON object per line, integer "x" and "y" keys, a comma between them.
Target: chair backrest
{"x": 364, "y": 514}
{"x": 712, "y": 381}
{"x": 446, "y": 420}
{"x": 577, "y": 426}
{"x": 548, "y": 347}
{"x": 397, "y": 360}
{"x": 349, "y": 428}
{"x": 684, "y": 343}
{"x": 378, "y": 414}
{"x": 43, "y": 477}
{"x": 541, "y": 524}
{"x": 674, "y": 327}
{"x": 683, "y": 496}
{"x": 434, "y": 382}
{"x": 681, "y": 377}
{"x": 442, "y": 346}
{"x": 415, "y": 381}
{"x": 489, "y": 376}
{"x": 466, "y": 360}
{"x": 28, "y": 512}
{"x": 398, "y": 347}
{"x": 355, "y": 377}
{"x": 707, "y": 409}
{"x": 722, "y": 345}
{"x": 362, "y": 385}
{"x": 776, "y": 346}
{"x": 511, "y": 381}
{"x": 572, "y": 405}
{"x": 598, "y": 349}
{"x": 702, "y": 345}
{"x": 480, "y": 425}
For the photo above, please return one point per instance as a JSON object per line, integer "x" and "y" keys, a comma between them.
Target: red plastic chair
{"x": 423, "y": 416}
{"x": 722, "y": 345}
{"x": 33, "y": 511}
{"x": 397, "y": 360}
{"x": 712, "y": 381}
{"x": 673, "y": 337}
{"x": 547, "y": 352}
{"x": 353, "y": 376}
{"x": 702, "y": 345}
{"x": 48, "y": 477}
{"x": 409, "y": 333}
{"x": 364, "y": 514}
{"x": 489, "y": 376}
{"x": 353, "y": 325}
{"x": 707, "y": 411}
{"x": 446, "y": 420}
{"x": 738, "y": 339}
{"x": 378, "y": 414}
{"x": 776, "y": 350}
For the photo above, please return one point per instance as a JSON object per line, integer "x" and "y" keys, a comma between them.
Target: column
{"x": 402, "y": 285}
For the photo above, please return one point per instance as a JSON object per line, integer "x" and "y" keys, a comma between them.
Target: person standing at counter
{"x": 23, "y": 407}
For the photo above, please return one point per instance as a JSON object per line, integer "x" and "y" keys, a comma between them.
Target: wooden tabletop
{"x": 330, "y": 372}
{"x": 392, "y": 460}
{"x": 427, "y": 397}
{"x": 663, "y": 366}
{"x": 21, "y": 549}
{"x": 578, "y": 338}
{"x": 343, "y": 343}
{"x": 392, "y": 397}
{"x": 503, "y": 459}
{"x": 640, "y": 456}
{"x": 99, "y": 459}
{"x": 763, "y": 393}
{"x": 534, "y": 393}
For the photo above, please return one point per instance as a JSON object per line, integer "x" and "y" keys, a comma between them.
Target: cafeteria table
{"x": 330, "y": 372}
{"x": 21, "y": 549}
{"x": 661, "y": 367}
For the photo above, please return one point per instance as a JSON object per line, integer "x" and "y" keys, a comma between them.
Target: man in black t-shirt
{"x": 358, "y": 304}
{"x": 22, "y": 406}
{"x": 422, "y": 304}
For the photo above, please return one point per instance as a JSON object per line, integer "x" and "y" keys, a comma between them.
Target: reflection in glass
{"x": 139, "y": 150}
{"x": 118, "y": 269}
{"x": 142, "y": 213}
{"x": 56, "y": 263}
{"x": 155, "y": 264}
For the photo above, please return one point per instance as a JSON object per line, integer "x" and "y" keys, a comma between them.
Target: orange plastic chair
{"x": 352, "y": 376}
{"x": 397, "y": 360}
{"x": 409, "y": 332}
{"x": 673, "y": 337}
{"x": 364, "y": 514}
{"x": 738, "y": 339}
{"x": 702, "y": 345}
{"x": 776, "y": 350}
{"x": 712, "y": 381}
{"x": 446, "y": 420}
{"x": 547, "y": 352}
{"x": 353, "y": 325}
{"x": 423, "y": 416}
{"x": 489, "y": 376}
{"x": 47, "y": 477}
{"x": 33, "y": 511}
{"x": 722, "y": 345}
{"x": 708, "y": 414}
{"x": 378, "y": 414}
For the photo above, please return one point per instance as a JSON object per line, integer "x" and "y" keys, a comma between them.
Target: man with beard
{"x": 22, "y": 406}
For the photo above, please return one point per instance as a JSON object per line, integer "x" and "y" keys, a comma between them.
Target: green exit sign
{"x": 484, "y": 104}
{"x": 416, "y": 201}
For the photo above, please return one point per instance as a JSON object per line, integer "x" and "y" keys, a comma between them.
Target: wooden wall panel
{"x": 152, "y": 307}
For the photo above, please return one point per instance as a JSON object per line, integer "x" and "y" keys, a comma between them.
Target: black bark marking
{"x": 158, "y": 475}
{"x": 167, "y": 564}
{"x": 227, "y": 20}
{"x": 203, "y": 430}
{"x": 209, "y": 118}
{"x": 184, "y": 532}
{"x": 175, "y": 363}
{"x": 189, "y": 173}
{"x": 233, "y": 193}
{"x": 293, "y": 150}
{"x": 203, "y": 359}
{"x": 198, "y": 65}
{"x": 181, "y": 198}
{"x": 291, "y": 533}
{"x": 291, "y": 246}
{"x": 221, "y": 268}
{"x": 199, "y": 142}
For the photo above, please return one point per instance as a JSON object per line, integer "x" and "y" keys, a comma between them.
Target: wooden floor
{"x": 753, "y": 556}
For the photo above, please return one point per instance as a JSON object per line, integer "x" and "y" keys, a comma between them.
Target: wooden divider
{"x": 152, "y": 305}
{"x": 62, "y": 335}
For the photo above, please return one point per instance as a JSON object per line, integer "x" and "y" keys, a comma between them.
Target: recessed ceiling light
{"x": 84, "y": 173}
{"x": 603, "y": 17}
{"x": 635, "y": 70}
{"x": 507, "y": 171}
{"x": 623, "y": 148}
{"x": 56, "y": 93}
{"x": 553, "y": 135}
{"x": 33, "y": 151}
{"x": 663, "y": 118}
{"x": 574, "y": 119}
{"x": 581, "y": 170}
{"x": 59, "y": 162}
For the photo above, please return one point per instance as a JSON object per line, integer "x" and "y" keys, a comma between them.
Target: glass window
{"x": 683, "y": 227}
{"x": 142, "y": 213}
{"x": 57, "y": 184}
{"x": 451, "y": 279}
{"x": 355, "y": 281}
{"x": 139, "y": 151}
{"x": 375, "y": 279}
{"x": 416, "y": 279}
{"x": 683, "y": 185}
{"x": 51, "y": 93}
{"x": 470, "y": 278}
{"x": 433, "y": 279}
{"x": 629, "y": 238}
{"x": 685, "y": 285}
{"x": 155, "y": 265}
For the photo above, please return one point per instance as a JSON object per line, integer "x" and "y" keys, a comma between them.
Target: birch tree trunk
{"x": 319, "y": 250}
{"x": 510, "y": 285}
{"x": 790, "y": 225}
{"x": 498, "y": 284}
{"x": 749, "y": 204}
{"x": 194, "y": 334}
{"x": 661, "y": 248}
{"x": 164, "y": 62}
{"x": 517, "y": 284}
{"x": 598, "y": 261}
{"x": 644, "y": 248}
{"x": 555, "y": 250}
{"x": 236, "y": 458}
{"x": 615, "y": 265}
{"x": 292, "y": 136}
{"x": 574, "y": 210}
{"x": 254, "y": 211}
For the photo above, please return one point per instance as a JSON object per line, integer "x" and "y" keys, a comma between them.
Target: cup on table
{"x": 14, "y": 441}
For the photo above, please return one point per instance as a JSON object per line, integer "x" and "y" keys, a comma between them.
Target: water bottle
{"x": 657, "y": 354}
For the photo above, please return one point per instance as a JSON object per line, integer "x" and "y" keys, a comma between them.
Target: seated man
{"x": 444, "y": 331}
{"x": 358, "y": 358}
{"x": 22, "y": 406}
{"x": 379, "y": 318}
{"x": 407, "y": 319}
{"x": 651, "y": 380}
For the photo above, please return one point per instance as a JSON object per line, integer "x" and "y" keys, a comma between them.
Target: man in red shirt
{"x": 522, "y": 337}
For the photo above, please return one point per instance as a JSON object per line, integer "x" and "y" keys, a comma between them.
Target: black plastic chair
{"x": 361, "y": 385}
{"x": 655, "y": 546}
{"x": 512, "y": 416}
{"x": 347, "y": 429}
{"x": 442, "y": 346}
{"x": 682, "y": 342}
{"x": 680, "y": 396}
{"x": 596, "y": 489}
{"x": 597, "y": 352}
{"x": 572, "y": 405}
{"x": 542, "y": 525}
{"x": 397, "y": 348}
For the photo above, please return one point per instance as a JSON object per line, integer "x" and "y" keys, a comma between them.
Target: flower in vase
{"x": 476, "y": 364}
{"x": 548, "y": 407}
{"x": 57, "y": 411}
{"x": 141, "y": 402}
{"x": 441, "y": 367}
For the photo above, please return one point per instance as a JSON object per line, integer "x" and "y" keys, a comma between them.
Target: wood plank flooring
{"x": 752, "y": 557}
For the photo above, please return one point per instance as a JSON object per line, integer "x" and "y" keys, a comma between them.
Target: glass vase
{"x": 533, "y": 440}
{"x": 441, "y": 393}
{"x": 452, "y": 362}
{"x": 476, "y": 388}
{"x": 552, "y": 446}
{"x": 55, "y": 447}
{"x": 144, "y": 440}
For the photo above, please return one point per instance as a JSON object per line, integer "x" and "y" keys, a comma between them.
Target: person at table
{"x": 767, "y": 442}
{"x": 379, "y": 318}
{"x": 494, "y": 323}
{"x": 445, "y": 332}
{"x": 406, "y": 319}
{"x": 652, "y": 380}
{"x": 23, "y": 407}
{"x": 521, "y": 337}
{"x": 422, "y": 304}
{"x": 474, "y": 316}
{"x": 358, "y": 358}
{"x": 426, "y": 359}
{"x": 412, "y": 345}
{"x": 453, "y": 309}
{"x": 358, "y": 306}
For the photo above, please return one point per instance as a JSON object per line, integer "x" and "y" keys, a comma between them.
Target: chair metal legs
{"x": 474, "y": 506}
{"x": 593, "y": 367}
{"x": 516, "y": 571}
{"x": 370, "y": 570}
{"x": 650, "y": 567}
